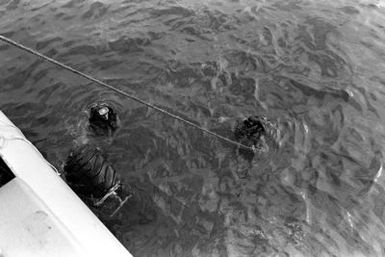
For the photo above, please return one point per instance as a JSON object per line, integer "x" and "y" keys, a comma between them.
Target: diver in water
{"x": 258, "y": 133}
{"x": 93, "y": 178}
{"x": 87, "y": 169}
{"x": 90, "y": 174}
{"x": 103, "y": 119}
{"x": 251, "y": 131}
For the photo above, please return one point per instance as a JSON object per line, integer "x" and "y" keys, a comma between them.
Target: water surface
{"x": 315, "y": 68}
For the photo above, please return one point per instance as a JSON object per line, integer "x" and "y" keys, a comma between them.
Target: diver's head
{"x": 103, "y": 119}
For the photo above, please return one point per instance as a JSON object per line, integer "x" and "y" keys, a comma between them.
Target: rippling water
{"x": 315, "y": 68}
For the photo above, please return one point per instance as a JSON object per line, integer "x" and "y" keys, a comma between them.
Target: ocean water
{"x": 313, "y": 68}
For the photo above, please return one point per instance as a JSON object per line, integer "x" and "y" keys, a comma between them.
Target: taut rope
{"x": 103, "y": 84}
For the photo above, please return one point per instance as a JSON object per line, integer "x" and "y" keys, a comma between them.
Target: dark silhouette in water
{"x": 250, "y": 131}
{"x": 89, "y": 173}
{"x": 103, "y": 120}
{"x": 94, "y": 179}
{"x": 253, "y": 132}
{"x": 87, "y": 170}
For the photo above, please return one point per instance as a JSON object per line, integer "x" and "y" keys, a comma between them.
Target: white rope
{"x": 101, "y": 83}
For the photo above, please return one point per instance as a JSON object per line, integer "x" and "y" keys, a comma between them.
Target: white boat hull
{"x": 39, "y": 214}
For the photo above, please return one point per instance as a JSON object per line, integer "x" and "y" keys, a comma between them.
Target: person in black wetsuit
{"x": 87, "y": 170}
{"x": 103, "y": 120}
{"x": 94, "y": 179}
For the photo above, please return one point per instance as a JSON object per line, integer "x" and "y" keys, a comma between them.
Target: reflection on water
{"x": 313, "y": 68}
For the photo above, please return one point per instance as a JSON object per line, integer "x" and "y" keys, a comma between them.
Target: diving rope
{"x": 101, "y": 83}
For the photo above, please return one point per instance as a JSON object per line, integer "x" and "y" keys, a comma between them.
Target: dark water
{"x": 315, "y": 68}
